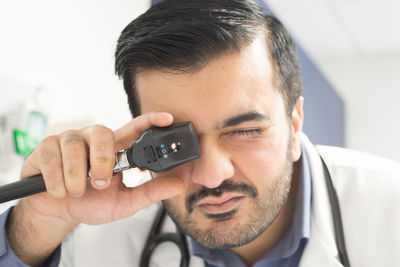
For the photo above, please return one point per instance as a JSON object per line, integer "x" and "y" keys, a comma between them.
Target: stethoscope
{"x": 155, "y": 236}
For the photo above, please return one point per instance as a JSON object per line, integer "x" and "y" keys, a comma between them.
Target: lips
{"x": 220, "y": 204}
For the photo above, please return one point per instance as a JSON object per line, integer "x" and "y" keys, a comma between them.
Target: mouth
{"x": 221, "y": 204}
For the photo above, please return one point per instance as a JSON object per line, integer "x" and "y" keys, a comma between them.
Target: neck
{"x": 256, "y": 249}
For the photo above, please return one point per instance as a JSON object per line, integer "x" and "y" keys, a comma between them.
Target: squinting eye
{"x": 249, "y": 132}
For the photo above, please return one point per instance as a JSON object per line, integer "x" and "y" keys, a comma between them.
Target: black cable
{"x": 337, "y": 217}
{"x": 22, "y": 188}
{"x": 155, "y": 238}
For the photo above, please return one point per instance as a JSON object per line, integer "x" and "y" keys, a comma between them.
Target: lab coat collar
{"x": 321, "y": 248}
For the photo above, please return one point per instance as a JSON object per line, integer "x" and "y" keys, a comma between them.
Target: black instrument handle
{"x": 22, "y": 188}
{"x": 183, "y": 133}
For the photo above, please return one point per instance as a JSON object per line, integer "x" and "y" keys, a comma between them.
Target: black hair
{"x": 185, "y": 35}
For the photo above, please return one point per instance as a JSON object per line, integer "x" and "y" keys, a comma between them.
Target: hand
{"x": 38, "y": 223}
{"x": 63, "y": 162}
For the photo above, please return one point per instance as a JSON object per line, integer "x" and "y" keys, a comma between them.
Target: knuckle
{"x": 49, "y": 143}
{"x": 76, "y": 188}
{"x": 101, "y": 130}
{"x": 71, "y": 173}
{"x": 53, "y": 178}
{"x": 48, "y": 157}
{"x": 56, "y": 190}
{"x": 47, "y": 154}
{"x": 48, "y": 140}
{"x": 102, "y": 139}
{"x": 72, "y": 137}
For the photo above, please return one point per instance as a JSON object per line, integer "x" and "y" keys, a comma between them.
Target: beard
{"x": 265, "y": 208}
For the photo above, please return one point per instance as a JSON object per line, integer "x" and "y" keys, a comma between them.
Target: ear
{"x": 297, "y": 127}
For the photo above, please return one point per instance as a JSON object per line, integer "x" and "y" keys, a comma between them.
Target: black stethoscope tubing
{"x": 155, "y": 236}
{"x": 337, "y": 217}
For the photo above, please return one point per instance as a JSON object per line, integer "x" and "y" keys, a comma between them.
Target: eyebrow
{"x": 244, "y": 117}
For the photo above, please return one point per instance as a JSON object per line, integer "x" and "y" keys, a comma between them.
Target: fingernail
{"x": 100, "y": 182}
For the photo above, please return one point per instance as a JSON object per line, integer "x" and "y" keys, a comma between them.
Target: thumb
{"x": 152, "y": 192}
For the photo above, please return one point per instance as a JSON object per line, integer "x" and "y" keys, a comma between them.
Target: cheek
{"x": 261, "y": 161}
{"x": 177, "y": 203}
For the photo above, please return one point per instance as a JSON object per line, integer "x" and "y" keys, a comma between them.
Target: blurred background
{"x": 56, "y": 70}
{"x": 356, "y": 46}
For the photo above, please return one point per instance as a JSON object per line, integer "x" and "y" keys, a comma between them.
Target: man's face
{"x": 239, "y": 185}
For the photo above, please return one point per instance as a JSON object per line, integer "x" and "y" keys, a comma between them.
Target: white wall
{"x": 370, "y": 87}
{"x": 357, "y": 45}
{"x": 67, "y": 48}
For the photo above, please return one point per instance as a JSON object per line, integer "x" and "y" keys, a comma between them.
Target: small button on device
{"x": 149, "y": 154}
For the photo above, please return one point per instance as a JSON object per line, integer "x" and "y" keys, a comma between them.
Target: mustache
{"x": 226, "y": 186}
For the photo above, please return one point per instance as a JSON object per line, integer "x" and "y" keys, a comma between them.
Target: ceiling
{"x": 329, "y": 28}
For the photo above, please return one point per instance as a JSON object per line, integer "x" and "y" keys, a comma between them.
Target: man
{"x": 256, "y": 197}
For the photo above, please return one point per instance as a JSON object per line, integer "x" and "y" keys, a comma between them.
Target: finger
{"x": 136, "y": 198}
{"x": 74, "y": 160}
{"x": 131, "y": 131}
{"x": 46, "y": 159}
{"x": 100, "y": 141}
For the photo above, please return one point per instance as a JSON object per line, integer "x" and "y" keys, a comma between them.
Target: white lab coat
{"x": 368, "y": 188}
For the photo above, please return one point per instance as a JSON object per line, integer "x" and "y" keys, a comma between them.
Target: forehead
{"x": 234, "y": 83}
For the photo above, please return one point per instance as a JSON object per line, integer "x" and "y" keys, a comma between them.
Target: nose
{"x": 213, "y": 167}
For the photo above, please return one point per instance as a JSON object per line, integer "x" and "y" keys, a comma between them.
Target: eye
{"x": 246, "y": 132}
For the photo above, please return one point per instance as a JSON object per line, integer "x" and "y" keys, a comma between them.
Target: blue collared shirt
{"x": 7, "y": 256}
{"x": 287, "y": 252}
